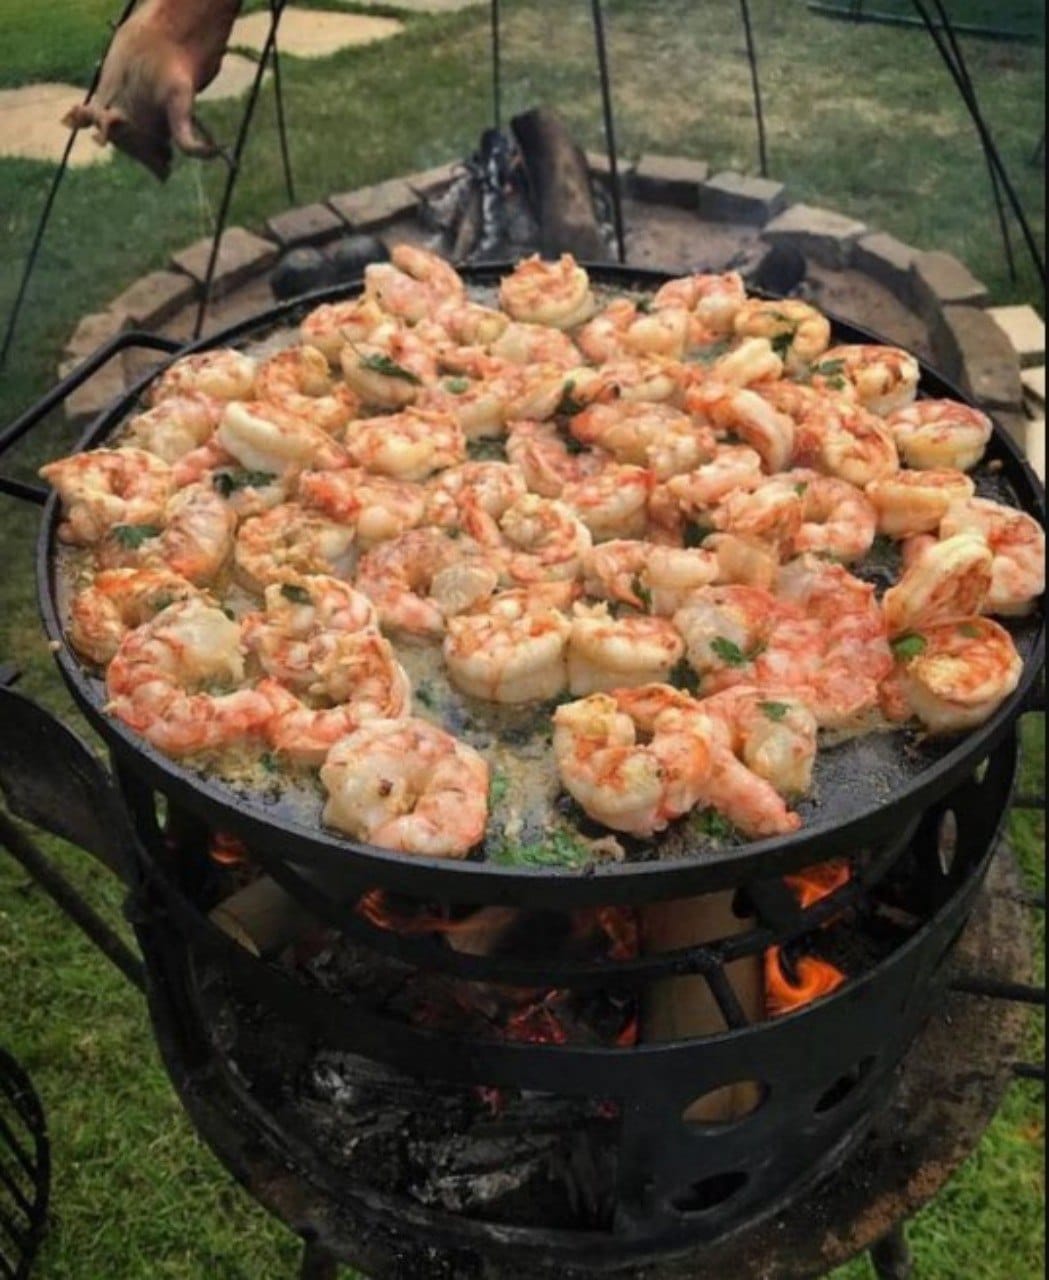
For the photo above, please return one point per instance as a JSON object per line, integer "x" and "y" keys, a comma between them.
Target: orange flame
{"x": 816, "y": 979}
{"x": 816, "y": 883}
{"x": 227, "y": 850}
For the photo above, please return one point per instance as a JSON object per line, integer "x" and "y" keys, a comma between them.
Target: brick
{"x": 154, "y": 299}
{"x": 372, "y": 207}
{"x": 974, "y": 352}
{"x": 427, "y": 181}
{"x": 92, "y": 332}
{"x": 822, "y": 235}
{"x": 673, "y": 180}
{"x": 310, "y": 225}
{"x": 887, "y": 260}
{"x": 731, "y": 197}
{"x": 940, "y": 280}
{"x": 241, "y": 256}
{"x": 1035, "y": 447}
{"x": 1034, "y": 386}
{"x": 1025, "y": 329}
{"x": 97, "y": 394}
{"x": 601, "y": 167}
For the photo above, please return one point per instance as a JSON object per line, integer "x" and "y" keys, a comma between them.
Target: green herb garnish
{"x": 297, "y": 595}
{"x": 729, "y": 652}
{"x": 458, "y": 386}
{"x": 684, "y": 677}
{"x": 426, "y": 696}
{"x": 909, "y": 647}
{"x": 829, "y": 368}
{"x": 696, "y": 535}
{"x": 970, "y": 631}
{"x": 776, "y": 711}
{"x": 228, "y": 483}
{"x": 497, "y": 788}
{"x": 268, "y": 761}
{"x": 646, "y": 306}
{"x": 559, "y": 849}
{"x": 570, "y": 407}
{"x": 801, "y": 490}
{"x": 389, "y": 369}
{"x": 643, "y": 593}
{"x": 712, "y": 824}
{"x": 782, "y": 343}
{"x": 133, "y": 536}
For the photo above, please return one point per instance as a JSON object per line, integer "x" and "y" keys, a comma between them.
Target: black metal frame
{"x": 25, "y": 1170}
{"x": 366, "y": 868}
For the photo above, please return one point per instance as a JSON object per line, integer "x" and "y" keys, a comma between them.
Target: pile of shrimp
{"x": 646, "y": 511}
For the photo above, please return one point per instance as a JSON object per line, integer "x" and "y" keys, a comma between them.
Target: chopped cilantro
{"x": 425, "y": 695}
{"x": 696, "y": 535}
{"x": 559, "y": 849}
{"x": 297, "y": 595}
{"x": 729, "y": 652}
{"x": 643, "y": 593}
{"x": 776, "y": 711}
{"x": 574, "y": 446}
{"x": 683, "y": 677}
{"x": 829, "y": 368}
{"x": 458, "y": 386}
{"x": 801, "y": 490}
{"x": 711, "y": 823}
{"x": 268, "y": 761}
{"x": 645, "y": 306}
{"x": 909, "y": 647}
{"x": 970, "y": 631}
{"x": 229, "y": 482}
{"x": 570, "y": 407}
{"x": 497, "y": 788}
{"x": 782, "y": 344}
{"x": 133, "y": 536}
{"x": 389, "y": 369}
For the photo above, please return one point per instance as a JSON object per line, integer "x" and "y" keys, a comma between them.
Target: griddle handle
{"x": 38, "y": 493}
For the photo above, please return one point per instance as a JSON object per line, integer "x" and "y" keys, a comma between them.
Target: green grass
{"x": 862, "y": 119}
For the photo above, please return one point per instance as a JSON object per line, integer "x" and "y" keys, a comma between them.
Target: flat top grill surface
{"x": 864, "y": 788}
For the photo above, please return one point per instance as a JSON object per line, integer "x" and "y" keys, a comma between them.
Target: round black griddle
{"x": 866, "y": 789}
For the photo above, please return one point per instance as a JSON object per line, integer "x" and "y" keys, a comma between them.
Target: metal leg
{"x": 497, "y": 67}
{"x": 49, "y": 203}
{"x": 610, "y": 128}
{"x": 755, "y": 77}
{"x": 892, "y": 1257}
{"x": 282, "y": 124}
{"x": 317, "y": 1263}
{"x": 234, "y": 167}
{"x": 972, "y": 105}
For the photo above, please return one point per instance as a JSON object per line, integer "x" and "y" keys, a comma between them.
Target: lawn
{"x": 860, "y": 118}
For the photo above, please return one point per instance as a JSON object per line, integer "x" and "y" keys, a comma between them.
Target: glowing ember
{"x": 816, "y": 883}
{"x": 538, "y": 1024}
{"x": 811, "y": 980}
{"x": 227, "y": 850}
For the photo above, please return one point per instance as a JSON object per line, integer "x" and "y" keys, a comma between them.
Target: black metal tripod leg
{"x": 317, "y": 1263}
{"x": 892, "y": 1257}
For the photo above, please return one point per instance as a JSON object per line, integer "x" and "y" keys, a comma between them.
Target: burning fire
{"x": 790, "y": 986}
{"x": 227, "y": 850}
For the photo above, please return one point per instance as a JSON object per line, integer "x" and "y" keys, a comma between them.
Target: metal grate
{"x": 25, "y": 1170}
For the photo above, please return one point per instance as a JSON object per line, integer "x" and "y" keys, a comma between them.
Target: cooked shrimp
{"x": 713, "y": 300}
{"x": 419, "y": 580}
{"x": 620, "y": 779}
{"x": 290, "y": 541}
{"x": 302, "y": 619}
{"x": 375, "y": 506}
{"x": 657, "y": 580}
{"x": 467, "y": 324}
{"x": 884, "y": 379}
{"x": 390, "y": 370}
{"x": 915, "y": 502}
{"x": 415, "y": 286}
{"x": 1018, "y": 544}
{"x": 224, "y": 375}
{"x": 406, "y": 785}
{"x": 536, "y": 540}
{"x": 623, "y": 330}
{"x": 299, "y": 382}
{"x": 156, "y": 679}
{"x": 854, "y": 445}
{"x": 797, "y": 331}
{"x": 744, "y": 561}
{"x": 727, "y": 628}
{"x": 606, "y": 653}
{"x": 936, "y": 434}
{"x": 837, "y": 519}
{"x": 337, "y": 325}
{"x": 536, "y": 393}
{"x": 107, "y": 488}
{"x": 951, "y": 580}
{"x": 774, "y": 734}
{"x": 118, "y": 601}
{"x": 177, "y": 425}
{"x": 513, "y": 650}
{"x": 956, "y": 675}
{"x": 265, "y": 438}
{"x": 752, "y": 364}
{"x": 548, "y": 461}
{"x": 480, "y": 408}
{"x": 197, "y": 541}
{"x": 613, "y": 504}
{"x": 494, "y": 487}
{"x": 647, "y": 380}
{"x": 745, "y": 414}
{"x": 645, "y": 435}
{"x": 359, "y": 675}
{"x": 733, "y": 467}
{"x": 548, "y": 293}
{"x": 406, "y": 446}
{"x": 526, "y": 344}
{"x": 771, "y": 515}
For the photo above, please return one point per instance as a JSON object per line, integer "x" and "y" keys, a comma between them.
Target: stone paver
{"x": 731, "y": 197}
{"x": 887, "y": 260}
{"x": 371, "y": 207}
{"x": 822, "y": 235}
{"x": 313, "y": 33}
{"x": 154, "y": 299}
{"x": 941, "y": 280}
{"x": 94, "y": 331}
{"x": 669, "y": 180}
{"x": 427, "y": 181}
{"x": 973, "y": 351}
{"x": 1035, "y": 445}
{"x": 1034, "y": 385}
{"x": 235, "y": 78}
{"x": 312, "y": 224}
{"x": 1025, "y": 329}
{"x": 424, "y": 6}
{"x": 31, "y": 125}
{"x": 241, "y": 256}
